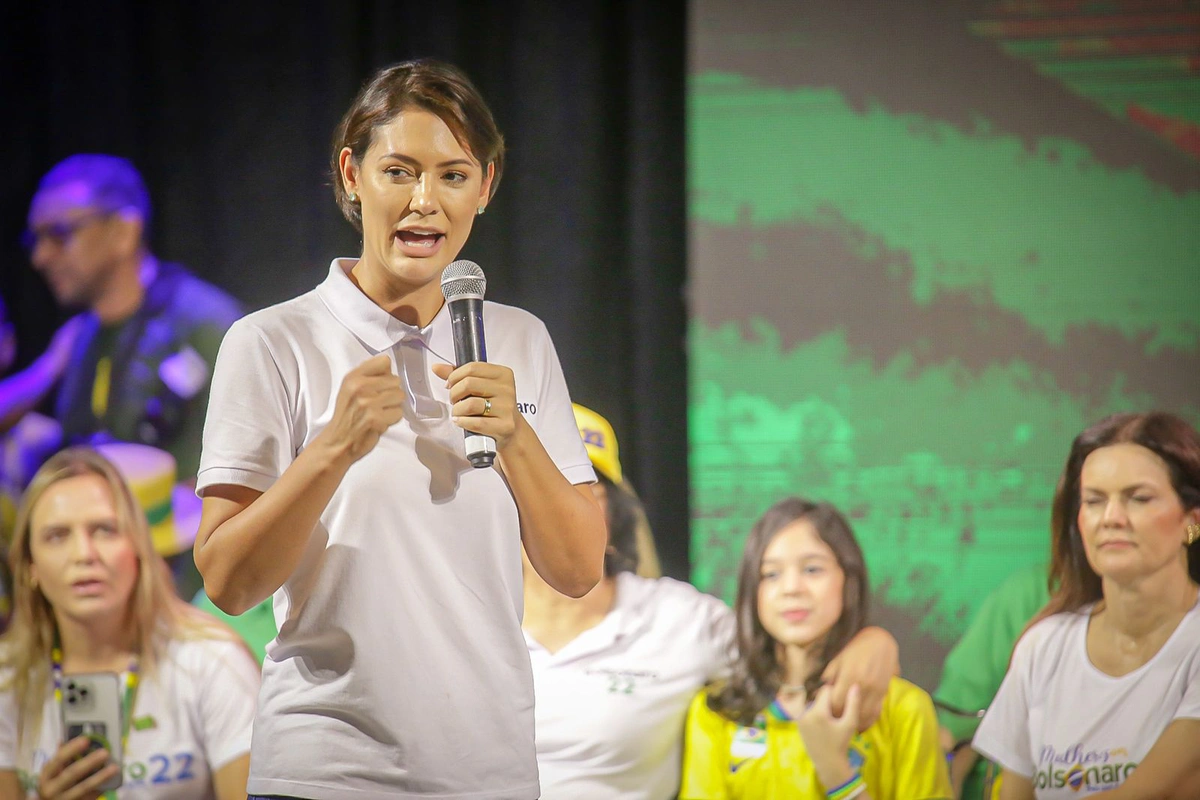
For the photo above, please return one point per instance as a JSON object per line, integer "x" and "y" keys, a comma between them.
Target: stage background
{"x": 929, "y": 243}
{"x": 228, "y": 108}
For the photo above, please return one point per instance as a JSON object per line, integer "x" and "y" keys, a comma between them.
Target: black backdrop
{"x": 228, "y": 110}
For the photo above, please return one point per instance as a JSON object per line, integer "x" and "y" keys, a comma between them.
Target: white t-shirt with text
{"x": 192, "y": 716}
{"x": 1073, "y": 729}
{"x": 611, "y": 704}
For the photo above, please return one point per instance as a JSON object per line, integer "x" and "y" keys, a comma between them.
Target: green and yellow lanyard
{"x": 131, "y": 690}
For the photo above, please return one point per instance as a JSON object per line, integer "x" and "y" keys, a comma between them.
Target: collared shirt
{"x": 612, "y": 702}
{"x": 399, "y": 669}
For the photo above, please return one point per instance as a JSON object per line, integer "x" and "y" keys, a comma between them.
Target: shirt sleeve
{"x": 705, "y": 753}
{"x": 1189, "y": 707}
{"x": 248, "y": 435}
{"x": 227, "y": 694}
{"x": 975, "y": 667}
{"x": 722, "y": 633}
{"x": 1003, "y": 735}
{"x": 921, "y": 770}
{"x": 554, "y": 419}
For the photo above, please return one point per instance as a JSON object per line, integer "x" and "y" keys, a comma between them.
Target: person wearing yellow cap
{"x": 615, "y": 670}
{"x": 601, "y": 442}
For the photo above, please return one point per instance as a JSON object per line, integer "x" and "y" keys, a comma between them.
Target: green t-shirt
{"x": 256, "y": 626}
{"x": 974, "y": 669}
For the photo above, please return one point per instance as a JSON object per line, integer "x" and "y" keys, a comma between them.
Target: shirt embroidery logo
{"x": 748, "y": 743}
{"x": 621, "y": 681}
{"x": 185, "y": 373}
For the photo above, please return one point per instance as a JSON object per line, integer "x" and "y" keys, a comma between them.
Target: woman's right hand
{"x": 370, "y": 400}
{"x": 68, "y": 776}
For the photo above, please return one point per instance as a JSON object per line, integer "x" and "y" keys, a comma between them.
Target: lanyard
{"x": 101, "y": 387}
{"x": 131, "y": 689}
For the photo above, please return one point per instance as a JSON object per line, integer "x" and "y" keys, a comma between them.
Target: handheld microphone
{"x": 463, "y": 286}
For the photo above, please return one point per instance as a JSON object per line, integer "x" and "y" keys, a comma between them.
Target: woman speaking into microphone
{"x": 334, "y": 478}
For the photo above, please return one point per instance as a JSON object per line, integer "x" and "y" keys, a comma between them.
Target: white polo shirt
{"x": 611, "y": 704}
{"x": 1072, "y": 729}
{"x": 399, "y": 670}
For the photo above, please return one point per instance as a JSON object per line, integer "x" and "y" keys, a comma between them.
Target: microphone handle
{"x": 466, "y": 323}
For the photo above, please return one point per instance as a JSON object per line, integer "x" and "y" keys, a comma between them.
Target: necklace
{"x": 791, "y": 688}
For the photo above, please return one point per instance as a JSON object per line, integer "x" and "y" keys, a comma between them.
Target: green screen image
{"x": 929, "y": 244}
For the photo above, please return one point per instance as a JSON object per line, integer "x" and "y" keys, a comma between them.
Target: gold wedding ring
{"x": 487, "y": 407}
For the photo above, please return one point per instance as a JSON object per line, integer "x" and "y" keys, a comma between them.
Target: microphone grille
{"x": 463, "y": 279}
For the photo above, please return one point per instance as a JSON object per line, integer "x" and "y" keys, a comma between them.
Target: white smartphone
{"x": 92, "y": 707}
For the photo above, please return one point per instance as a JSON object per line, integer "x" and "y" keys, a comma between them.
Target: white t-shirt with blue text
{"x": 1074, "y": 730}
{"x": 191, "y": 717}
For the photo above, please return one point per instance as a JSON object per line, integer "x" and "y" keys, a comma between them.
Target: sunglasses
{"x": 59, "y": 233}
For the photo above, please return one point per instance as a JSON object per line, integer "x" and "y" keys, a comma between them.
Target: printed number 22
{"x": 163, "y": 764}
{"x": 620, "y": 684}
{"x": 185, "y": 767}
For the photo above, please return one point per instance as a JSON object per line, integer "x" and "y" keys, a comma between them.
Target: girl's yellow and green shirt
{"x": 899, "y": 756}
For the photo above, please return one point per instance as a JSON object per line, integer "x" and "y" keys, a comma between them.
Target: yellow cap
{"x": 600, "y": 440}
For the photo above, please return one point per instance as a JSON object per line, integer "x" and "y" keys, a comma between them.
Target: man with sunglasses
{"x": 135, "y": 365}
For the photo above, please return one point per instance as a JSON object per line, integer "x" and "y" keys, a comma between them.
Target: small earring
{"x": 479, "y": 211}
{"x": 353, "y": 197}
{"x": 33, "y": 583}
{"x": 1193, "y": 532}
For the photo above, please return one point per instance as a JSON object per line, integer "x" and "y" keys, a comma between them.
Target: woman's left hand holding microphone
{"x": 483, "y": 399}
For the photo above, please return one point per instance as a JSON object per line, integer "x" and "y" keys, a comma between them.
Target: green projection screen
{"x": 929, "y": 243}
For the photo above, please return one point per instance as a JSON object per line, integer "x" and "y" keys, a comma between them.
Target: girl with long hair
{"x": 615, "y": 670}
{"x": 1103, "y": 693}
{"x": 769, "y": 730}
{"x": 91, "y": 595}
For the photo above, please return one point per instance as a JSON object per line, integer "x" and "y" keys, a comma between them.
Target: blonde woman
{"x": 91, "y": 595}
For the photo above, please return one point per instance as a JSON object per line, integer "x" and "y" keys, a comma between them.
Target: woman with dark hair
{"x": 334, "y": 477}
{"x": 769, "y": 730}
{"x": 1103, "y": 693}
{"x": 614, "y": 670}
